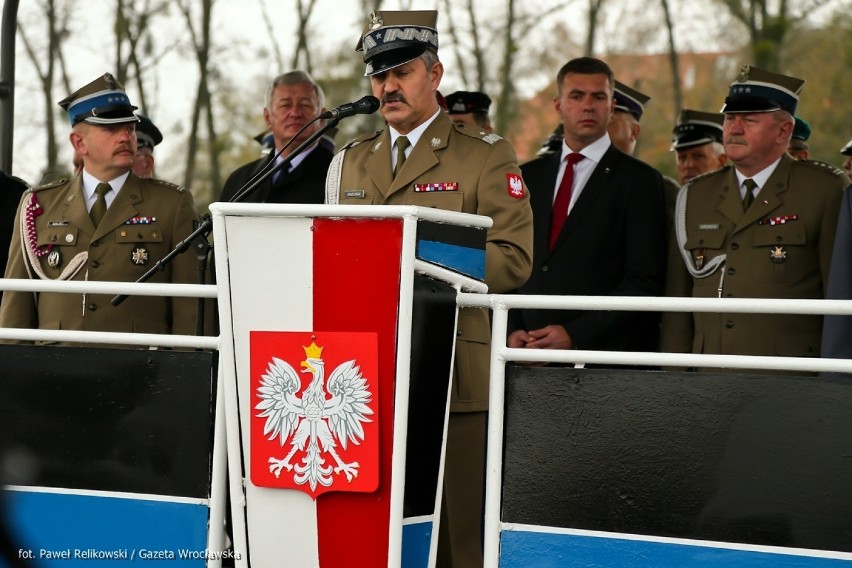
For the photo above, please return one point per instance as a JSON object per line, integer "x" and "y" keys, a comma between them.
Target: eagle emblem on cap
{"x": 375, "y": 21}
{"x": 743, "y": 76}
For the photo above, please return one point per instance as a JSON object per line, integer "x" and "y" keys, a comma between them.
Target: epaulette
{"x": 724, "y": 168}
{"x": 362, "y": 138}
{"x": 50, "y": 185}
{"x": 478, "y": 133}
{"x": 824, "y": 166}
{"x": 163, "y": 183}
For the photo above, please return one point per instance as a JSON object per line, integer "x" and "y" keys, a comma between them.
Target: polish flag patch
{"x": 515, "y": 185}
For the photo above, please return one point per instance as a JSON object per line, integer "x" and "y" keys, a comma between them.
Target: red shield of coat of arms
{"x": 314, "y": 397}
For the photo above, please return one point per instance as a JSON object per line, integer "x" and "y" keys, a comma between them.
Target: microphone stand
{"x": 198, "y": 238}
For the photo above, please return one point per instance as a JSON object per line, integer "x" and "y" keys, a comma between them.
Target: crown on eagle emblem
{"x": 743, "y": 76}
{"x": 313, "y": 351}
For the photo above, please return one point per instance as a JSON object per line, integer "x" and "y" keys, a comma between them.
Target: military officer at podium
{"x": 465, "y": 169}
{"x": 762, "y": 228}
{"x": 104, "y": 224}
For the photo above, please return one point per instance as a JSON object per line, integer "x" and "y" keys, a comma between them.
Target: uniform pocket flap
{"x": 148, "y": 233}
{"x": 786, "y": 234}
{"x": 709, "y": 239}
{"x": 474, "y": 325}
{"x": 58, "y": 235}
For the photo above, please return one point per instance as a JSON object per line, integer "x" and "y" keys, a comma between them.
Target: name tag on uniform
{"x": 359, "y": 194}
{"x": 57, "y": 223}
{"x": 446, "y": 186}
{"x": 708, "y": 226}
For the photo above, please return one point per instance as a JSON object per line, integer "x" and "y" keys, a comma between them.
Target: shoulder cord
{"x": 680, "y": 231}
{"x": 31, "y": 254}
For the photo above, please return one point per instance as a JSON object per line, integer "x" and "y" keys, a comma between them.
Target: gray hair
{"x": 430, "y": 58}
{"x": 295, "y": 78}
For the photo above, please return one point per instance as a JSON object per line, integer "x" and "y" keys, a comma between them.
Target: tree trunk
{"x": 673, "y": 62}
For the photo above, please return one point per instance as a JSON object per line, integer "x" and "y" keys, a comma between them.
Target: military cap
{"x": 103, "y": 101}
{"x": 696, "y": 128}
{"x": 758, "y": 90}
{"x": 847, "y": 149}
{"x": 630, "y": 100}
{"x": 147, "y": 134}
{"x": 463, "y": 102}
{"x": 802, "y": 130}
{"x": 393, "y": 38}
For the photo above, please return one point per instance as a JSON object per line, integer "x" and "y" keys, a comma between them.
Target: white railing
{"x": 216, "y": 537}
{"x": 500, "y": 355}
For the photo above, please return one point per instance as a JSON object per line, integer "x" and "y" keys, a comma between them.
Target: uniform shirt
{"x": 90, "y": 183}
{"x": 593, "y": 153}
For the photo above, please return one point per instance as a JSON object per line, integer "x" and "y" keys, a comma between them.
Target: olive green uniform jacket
{"x": 145, "y": 221}
{"x": 780, "y": 248}
{"x": 481, "y": 164}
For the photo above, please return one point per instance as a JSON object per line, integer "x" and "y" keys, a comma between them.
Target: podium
{"x": 337, "y": 338}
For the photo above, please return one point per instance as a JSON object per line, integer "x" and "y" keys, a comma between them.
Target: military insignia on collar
{"x": 435, "y": 142}
{"x": 139, "y": 256}
{"x": 777, "y": 254}
{"x": 377, "y": 146}
{"x": 743, "y": 76}
{"x": 375, "y": 21}
{"x": 54, "y": 258}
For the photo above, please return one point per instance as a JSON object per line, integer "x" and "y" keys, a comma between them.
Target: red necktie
{"x": 563, "y": 197}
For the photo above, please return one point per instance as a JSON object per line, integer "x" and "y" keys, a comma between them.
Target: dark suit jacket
{"x": 305, "y": 184}
{"x": 613, "y": 244}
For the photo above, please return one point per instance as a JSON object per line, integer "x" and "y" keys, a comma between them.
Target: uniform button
{"x": 735, "y": 246}
{"x": 95, "y": 264}
{"x": 93, "y": 307}
{"x": 732, "y": 271}
{"x": 544, "y": 268}
{"x": 700, "y": 241}
{"x": 729, "y": 324}
{"x": 458, "y": 333}
{"x": 778, "y": 239}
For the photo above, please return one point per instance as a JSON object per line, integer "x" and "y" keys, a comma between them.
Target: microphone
{"x": 365, "y": 105}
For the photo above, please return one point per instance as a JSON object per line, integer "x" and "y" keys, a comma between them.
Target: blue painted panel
{"x": 416, "y": 540}
{"x": 82, "y": 529}
{"x": 467, "y": 261}
{"x": 549, "y": 550}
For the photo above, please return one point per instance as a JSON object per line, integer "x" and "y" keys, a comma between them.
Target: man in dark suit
{"x": 601, "y": 233}
{"x": 292, "y": 101}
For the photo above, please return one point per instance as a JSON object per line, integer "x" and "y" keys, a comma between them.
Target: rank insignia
{"x": 698, "y": 259}
{"x": 777, "y": 254}
{"x": 445, "y": 186}
{"x": 54, "y": 258}
{"x": 516, "y": 186}
{"x": 139, "y": 256}
{"x": 435, "y": 142}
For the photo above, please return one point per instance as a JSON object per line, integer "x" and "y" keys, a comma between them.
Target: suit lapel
{"x": 122, "y": 208}
{"x": 76, "y": 211}
{"x": 378, "y": 162}
{"x": 597, "y": 183}
{"x": 769, "y": 197}
{"x": 541, "y": 200}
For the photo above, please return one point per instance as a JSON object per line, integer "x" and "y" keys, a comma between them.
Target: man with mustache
{"x": 762, "y": 228}
{"x": 104, "y": 224}
{"x": 423, "y": 158}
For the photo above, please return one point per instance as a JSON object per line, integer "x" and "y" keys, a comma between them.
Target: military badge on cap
{"x": 629, "y": 100}
{"x": 393, "y": 38}
{"x": 758, "y": 90}
{"x": 103, "y": 101}
{"x": 696, "y": 128}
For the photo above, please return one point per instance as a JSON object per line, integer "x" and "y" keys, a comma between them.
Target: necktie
{"x": 748, "y": 197}
{"x": 563, "y": 197}
{"x": 401, "y": 145}
{"x": 279, "y": 175}
{"x": 99, "y": 208}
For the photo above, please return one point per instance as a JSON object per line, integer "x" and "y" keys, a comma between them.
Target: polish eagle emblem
{"x": 327, "y": 413}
